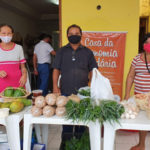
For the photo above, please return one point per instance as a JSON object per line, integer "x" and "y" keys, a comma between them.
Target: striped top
{"x": 12, "y": 56}
{"x": 142, "y": 76}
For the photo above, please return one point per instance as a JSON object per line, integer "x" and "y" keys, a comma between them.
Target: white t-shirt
{"x": 12, "y": 56}
{"x": 42, "y": 51}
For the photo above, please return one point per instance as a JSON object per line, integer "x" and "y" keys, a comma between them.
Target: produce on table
{"x": 8, "y": 92}
{"x": 40, "y": 101}
{"x": 19, "y": 92}
{"x": 47, "y": 105}
{"x": 61, "y": 101}
{"x": 14, "y": 92}
{"x": 148, "y": 107}
{"x": 5, "y": 105}
{"x": 48, "y": 111}
{"x": 111, "y": 110}
{"x": 25, "y": 101}
{"x": 60, "y": 111}
{"x": 131, "y": 110}
{"x": 36, "y": 111}
{"x": 51, "y": 99}
{"x": 85, "y": 111}
{"x": 85, "y": 92}
{"x": 141, "y": 100}
{"x": 0, "y": 104}
{"x": 74, "y": 98}
{"x": 16, "y": 106}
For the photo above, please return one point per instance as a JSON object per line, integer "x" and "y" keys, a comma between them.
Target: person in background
{"x": 139, "y": 74}
{"x": 74, "y": 62}
{"x": 12, "y": 62}
{"x": 42, "y": 61}
{"x": 17, "y": 38}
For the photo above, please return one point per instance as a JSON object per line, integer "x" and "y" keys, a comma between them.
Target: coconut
{"x": 60, "y": 111}
{"x": 36, "y": 111}
{"x": 61, "y": 101}
{"x": 48, "y": 111}
{"x": 40, "y": 101}
{"x": 51, "y": 99}
{"x": 74, "y": 98}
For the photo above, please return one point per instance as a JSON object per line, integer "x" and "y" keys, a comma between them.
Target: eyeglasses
{"x": 73, "y": 56}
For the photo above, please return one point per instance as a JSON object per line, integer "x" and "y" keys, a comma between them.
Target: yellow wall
{"x": 144, "y": 8}
{"x": 145, "y": 12}
{"x": 115, "y": 15}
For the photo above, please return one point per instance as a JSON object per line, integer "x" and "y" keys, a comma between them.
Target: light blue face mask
{"x": 6, "y": 39}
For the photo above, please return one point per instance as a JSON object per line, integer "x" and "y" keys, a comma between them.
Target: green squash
{"x": 19, "y": 92}
{"x": 26, "y": 102}
{"x": 8, "y": 92}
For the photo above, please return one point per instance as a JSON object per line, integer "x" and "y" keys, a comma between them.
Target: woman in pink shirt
{"x": 12, "y": 62}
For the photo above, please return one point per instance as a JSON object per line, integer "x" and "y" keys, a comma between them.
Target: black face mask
{"x": 74, "y": 39}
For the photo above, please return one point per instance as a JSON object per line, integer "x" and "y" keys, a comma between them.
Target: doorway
{"x": 143, "y": 30}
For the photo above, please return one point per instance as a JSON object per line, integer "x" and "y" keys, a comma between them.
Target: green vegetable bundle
{"x": 84, "y": 92}
{"x": 111, "y": 111}
{"x": 85, "y": 111}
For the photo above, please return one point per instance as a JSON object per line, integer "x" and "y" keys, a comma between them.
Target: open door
{"x": 143, "y": 31}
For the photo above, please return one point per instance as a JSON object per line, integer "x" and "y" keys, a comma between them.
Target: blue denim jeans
{"x": 43, "y": 77}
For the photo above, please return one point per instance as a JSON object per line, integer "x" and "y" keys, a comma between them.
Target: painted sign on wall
{"x": 109, "y": 50}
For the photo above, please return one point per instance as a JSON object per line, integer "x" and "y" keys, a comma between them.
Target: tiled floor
{"x": 124, "y": 139}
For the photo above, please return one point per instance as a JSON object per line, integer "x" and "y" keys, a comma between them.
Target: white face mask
{"x": 6, "y": 39}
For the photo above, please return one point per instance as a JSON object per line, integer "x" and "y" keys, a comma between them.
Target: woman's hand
{"x": 23, "y": 80}
{"x": 3, "y": 74}
{"x": 56, "y": 90}
{"x": 35, "y": 72}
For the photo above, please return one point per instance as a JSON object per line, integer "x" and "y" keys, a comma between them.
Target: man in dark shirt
{"x": 74, "y": 62}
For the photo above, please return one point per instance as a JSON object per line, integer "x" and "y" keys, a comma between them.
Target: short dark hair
{"x": 44, "y": 35}
{"x": 74, "y": 26}
{"x": 146, "y": 37}
{"x": 7, "y": 25}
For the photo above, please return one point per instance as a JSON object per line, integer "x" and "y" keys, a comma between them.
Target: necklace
{"x": 146, "y": 63}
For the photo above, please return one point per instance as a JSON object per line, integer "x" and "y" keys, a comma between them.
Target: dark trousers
{"x": 43, "y": 77}
{"x": 70, "y": 131}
